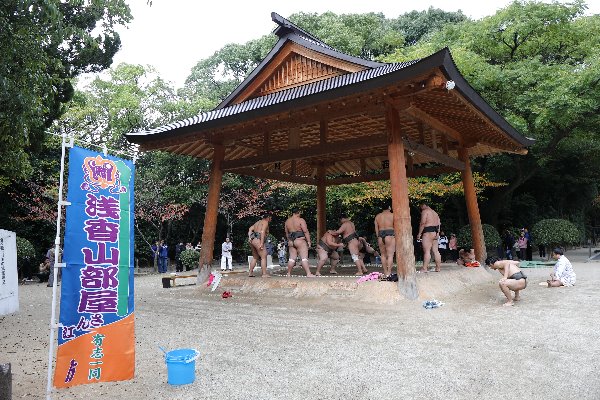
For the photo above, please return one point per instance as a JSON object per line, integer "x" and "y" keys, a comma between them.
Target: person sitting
{"x": 563, "y": 274}
{"x": 44, "y": 272}
{"x": 467, "y": 258}
{"x": 514, "y": 279}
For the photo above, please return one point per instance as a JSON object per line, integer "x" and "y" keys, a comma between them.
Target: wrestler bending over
{"x": 364, "y": 247}
{"x": 513, "y": 278}
{"x": 298, "y": 242}
{"x": 327, "y": 248}
{"x": 256, "y": 236}
{"x": 350, "y": 239}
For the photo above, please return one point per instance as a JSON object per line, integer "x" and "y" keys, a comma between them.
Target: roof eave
{"x": 441, "y": 59}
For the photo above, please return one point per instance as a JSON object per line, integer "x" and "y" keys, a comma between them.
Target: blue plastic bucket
{"x": 181, "y": 366}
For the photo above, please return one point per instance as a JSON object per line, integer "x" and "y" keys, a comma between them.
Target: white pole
{"x": 53, "y": 324}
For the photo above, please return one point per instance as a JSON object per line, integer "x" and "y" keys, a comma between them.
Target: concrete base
{"x": 450, "y": 280}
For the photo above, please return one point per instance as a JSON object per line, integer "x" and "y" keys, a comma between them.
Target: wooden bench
{"x": 171, "y": 279}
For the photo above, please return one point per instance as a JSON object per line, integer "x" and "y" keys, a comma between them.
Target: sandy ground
{"x": 275, "y": 347}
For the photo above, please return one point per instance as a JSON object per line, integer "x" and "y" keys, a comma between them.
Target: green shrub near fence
{"x": 555, "y": 232}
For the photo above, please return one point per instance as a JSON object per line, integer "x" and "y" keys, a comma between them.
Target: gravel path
{"x": 252, "y": 347}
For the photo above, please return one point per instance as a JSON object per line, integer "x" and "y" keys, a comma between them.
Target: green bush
{"x": 491, "y": 235}
{"x": 25, "y": 251}
{"x": 190, "y": 259}
{"x": 555, "y": 232}
{"x": 26, "y": 258}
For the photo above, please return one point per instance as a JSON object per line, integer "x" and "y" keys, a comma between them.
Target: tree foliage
{"x": 43, "y": 46}
{"x": 556, "y": 232}
{"x": 538, "y": 64}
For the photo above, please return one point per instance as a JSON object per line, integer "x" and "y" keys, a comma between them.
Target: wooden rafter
{"x": 304, "y": 152}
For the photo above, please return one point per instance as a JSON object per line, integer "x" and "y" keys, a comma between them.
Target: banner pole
{"x": 53, "y": 325}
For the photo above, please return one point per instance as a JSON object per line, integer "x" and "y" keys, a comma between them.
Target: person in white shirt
{"x": 563, "y": 274}
{"x": 226, "y": 259}
{"x": 443, "y": 245}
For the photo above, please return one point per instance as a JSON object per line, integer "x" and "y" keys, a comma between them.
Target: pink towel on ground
{"x": 373, "y": 276}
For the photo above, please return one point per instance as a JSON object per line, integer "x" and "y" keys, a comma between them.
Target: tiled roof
{"x": 281, "y": 97}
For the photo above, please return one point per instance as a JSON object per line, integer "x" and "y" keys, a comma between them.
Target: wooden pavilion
{"x": 310, "y": 114}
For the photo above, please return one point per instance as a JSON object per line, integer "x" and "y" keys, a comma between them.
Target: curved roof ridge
{"x": 288, "y": 31}
{"x": 285, "y": 26}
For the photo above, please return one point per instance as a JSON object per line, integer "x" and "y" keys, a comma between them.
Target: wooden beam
{"x": 472, "y": 207}
{"x": 445, "y": 144}
{"x": 421, "y": 130}
{"x": 432, "y": 82}
{"x": 261, "y": 173}
{"x": 293, "y": 168}
{"x": 427, "y": 119}
{"x": 266, "y": 143}
{"x": 294, "y": 138}
{"x": 405, "y": 252}
{"x": 305, "y": 152}
{"x": 358, "y": 179}
{"x": 323, "y": 131}
{"x": 306, "y": 116}
{"x": 434, "y": 154}
{"x": 410, "y": 165}
{"x": 384, "y": 176}
{"x": 212, "y": 208}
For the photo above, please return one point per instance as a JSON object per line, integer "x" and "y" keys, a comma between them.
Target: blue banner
{"x": 96, "y": 337}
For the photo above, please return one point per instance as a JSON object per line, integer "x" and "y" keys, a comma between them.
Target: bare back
{"x": 295, "y": 223}
{"x": 384, "y": 220}
{"x": 346, "y": 228}
{"x": 430, "y": 218}
{"x": 508, "y": 267}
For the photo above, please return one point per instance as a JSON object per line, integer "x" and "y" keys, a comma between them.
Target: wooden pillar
{"x": 321, "y": 204}
{"x": 212, "y": 209}
{"x": 405, "y": 255}
{"x": 472, "y": 207}
{"x": 321, "y": 186}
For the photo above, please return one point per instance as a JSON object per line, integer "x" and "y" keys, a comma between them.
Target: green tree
{"x": 538, "y": 64}
{"x": 415, "y": 25}
{"x": 43, "y": 46}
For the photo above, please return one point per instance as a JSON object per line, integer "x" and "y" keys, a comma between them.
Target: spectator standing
{"x": 269, "y": 246}
{"x": 522, "y": 244}
{"x": 542, "y": 250}
{"x": 529, "y": 249}
{"x": 453, "y": 247}
{"x": 443, "y": 245}
{"x": 508, "y": 242}
{"x": 50, "y": 255}
{"x": 154, "y": 249}
{"x": 281, "y": 252}
{"x": 178, "y": 249}
{"x": 226, "y": 259}
{"x": 198, "y": 247}
{"x": 163, "y": 255}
